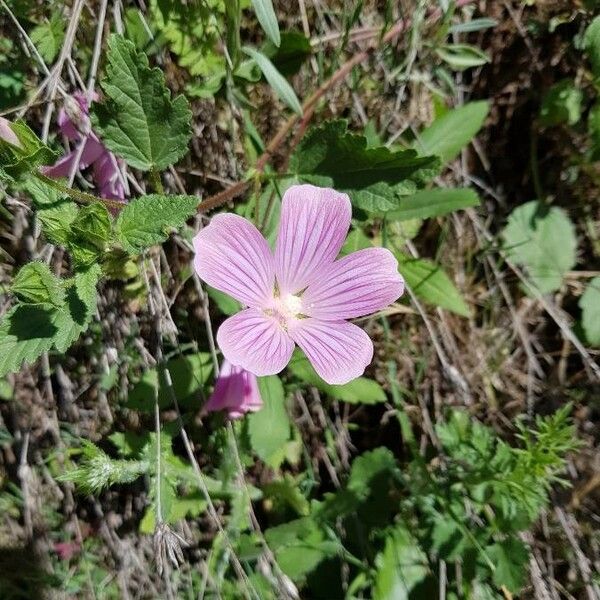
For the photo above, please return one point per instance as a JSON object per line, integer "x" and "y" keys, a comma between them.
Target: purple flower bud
{"x": 236, "y": 392}
{"x": 7, "y": 134}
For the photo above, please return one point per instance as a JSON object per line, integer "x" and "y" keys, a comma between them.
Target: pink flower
{"x": 236, "y": 391}
{"x": 300, "y": 294}
{"x": 66, "y": 550}
{"x": 74, "y": 123}
{"x": 7, "y": 134}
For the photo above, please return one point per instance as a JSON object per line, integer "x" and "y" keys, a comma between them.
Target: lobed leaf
{"x": 138, "y": 120}
{"x": 147, "y": 220}
{"x": 374, "y": 178}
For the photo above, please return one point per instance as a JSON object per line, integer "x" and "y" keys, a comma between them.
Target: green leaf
{"x": 433, "y": 203}
{"x": 462, "y": 56}
{"x": 400, "y": 567}
{"x": 473, "y": 25}
{"x": 89, "y": 234}
{"x": 294, "y": 49}
{"x": 429, "y": 282}
{"x": 268, "y": 19}
{"x": 543, "y": 240}
{"x": 56, "y": 221}
{"x": 189, "y": 375}
{"x": 590, "y": 312}
{"x": 36, "y": 284}
{"x": 48, "y": 37}
{"x": 510, "y": 558}
{"x": 269, "y": 428}
{"x": 226, "y": 304}
{"x": 93, "y": 224}
{"x": 147, "y": 220}
{"x": 299, "y": 546}
{"x": 29, "y": 330}
{"x": 375, "y": 178}
{"x": 356, "y": 240}
{"x": 359, "y": 391}
{"x": 26, "y": 157}
{"x": 562, "y": 103}
{"x": 591, "y": 43}
{"x": 451, "y": 132}
{"x": 138, "y": 120}
{"x": 276, "y": 80}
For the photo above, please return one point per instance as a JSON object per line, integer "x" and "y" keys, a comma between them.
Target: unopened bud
{"x": 7, "y": 134}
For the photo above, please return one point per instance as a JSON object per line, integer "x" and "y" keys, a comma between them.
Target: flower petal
{"x": 358, "y": 284}
{"x": 314, "y": 223}
{"x": 232, "y": 256}
{"x": 339, "y": 351}
{"x": 91, "y": 152}
{"x": 256, "y": 342}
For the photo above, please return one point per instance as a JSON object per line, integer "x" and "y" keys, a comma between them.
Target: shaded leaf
{"x": 375, "y": 178}
{"x": 36, "y": 284}
{"x": 269, "y": 428}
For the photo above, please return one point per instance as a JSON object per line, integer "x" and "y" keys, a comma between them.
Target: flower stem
{"x": 77, "y": 195}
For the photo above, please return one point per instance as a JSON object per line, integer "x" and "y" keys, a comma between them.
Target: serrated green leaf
{"x": 29, "y": 330}
{"x": 138, "y": 120}
{"x": 36, "y": 284}
{"x": 359, "y": 391}
{"x": 451, "y": 132}
{"x": 591, "y": 43}
{"x": 16, "y": 161}
{"x": 147, "y": 220}
{"x": 543, "y": 240}
{"x": 590, "y": 312}
{"x": 268, "y": 19}
{"x": 57, "y": 219}
{"x": 89, "y": 234}
{"x": 48, "y": 37}
{"x": 433, "y": 203}
{"x": 429, "y": 282}
{"x": 276, "y": 80}
{"x": 374, "y": 178}
{"x": 93, "y": 223}
{"x": 269, "y": 428}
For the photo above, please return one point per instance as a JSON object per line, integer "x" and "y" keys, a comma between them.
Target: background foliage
{"x": 463, "y": 464}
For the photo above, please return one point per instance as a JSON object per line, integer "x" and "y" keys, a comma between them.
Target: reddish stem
{"x": 308, "y": 109}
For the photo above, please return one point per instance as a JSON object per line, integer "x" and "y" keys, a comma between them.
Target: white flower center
{"x": 288, "y": 306}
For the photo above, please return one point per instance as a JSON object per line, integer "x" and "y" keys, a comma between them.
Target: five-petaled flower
{"x": 236, "y": 391}
{"x": 300, "y": 293}
{"x": 74, "y": 124}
